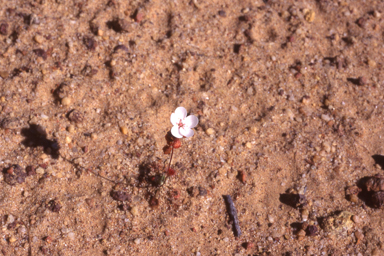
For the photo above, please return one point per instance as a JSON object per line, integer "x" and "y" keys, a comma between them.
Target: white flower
{"x": 183, "y": 124}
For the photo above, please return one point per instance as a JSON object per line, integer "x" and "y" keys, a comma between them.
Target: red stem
{"x": 170, "y": 160}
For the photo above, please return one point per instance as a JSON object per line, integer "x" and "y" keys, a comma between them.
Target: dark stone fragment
{"x": 294, "y": 200}
{"x": 41, "y": 53}
{"x": 120, "y": 196}
{"x": 14, "y": 174}
{"x": 119, "y": 25}
{"x": 192, "y": 191}
{"x": 154, "y": 202}
{"x": 222, "y": 13}
{"x": 30, "y": 170}
{"x": 378, "y": 199}
{"x": 4, "y": 28}
{"x": 120, "y": 47}
{"x": 90, "y": 43}
{"x": 361, "y": 22}
{"x": 375, "y": 183}
{"x": 76, "y": 116}
{"x": 202, "y": 191}
{"x": 11, "y": 226}
{"x": 54, "y": 206}
{"x": 362, "y": 80}
{"x": 312, "y": 230}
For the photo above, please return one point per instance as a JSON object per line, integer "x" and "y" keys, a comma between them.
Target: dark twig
{"x": 233, "y": 215}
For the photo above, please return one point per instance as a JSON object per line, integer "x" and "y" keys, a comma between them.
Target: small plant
{"x": 182, "y": 127}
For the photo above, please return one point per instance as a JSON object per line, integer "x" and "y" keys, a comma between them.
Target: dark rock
{"x": 375, "y": 183}
{"x": 120, "y": 196}
{"x": 54, "y": 206}
{"x": 378, "y": 199}
{"x": 76, "y": 116}
{"x": 202, "y": 191}
{"x": 30, "y": 170}
{"x": 312, "y": 230}
{"x": 14, "y": 174}
{"x": 41, "y": 53}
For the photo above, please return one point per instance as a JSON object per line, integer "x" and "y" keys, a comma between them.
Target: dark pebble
{"x": 90, "y": 43}
{"x": 139, "y": 16}
{"x": 222, "y": 13}
{"x": 375, "y": 183}
{"x": 202, "y": 191}
{"x": 41, "y": 53}
{"x": 362, "y": 80}
{"x": 54, "y": 206}
{"x": 294, "y": 200}
{"x": 120, "y": 196}
{"x": 76, "y": 116}
{"x": 312, "y": 230}
{"x": 378, "y": 199}
{"x": 30, "y": 170}
{"x": 4, "y": 28}
{"x": 120, "y": 47}
{"x": 154, "y": 202}
{"x": 193, "y": 191}
{"x": 361, "y": 22}
{"x": 15, "y": 174}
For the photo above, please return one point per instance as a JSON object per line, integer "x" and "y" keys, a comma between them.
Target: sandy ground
{"x": 289, "y": 96}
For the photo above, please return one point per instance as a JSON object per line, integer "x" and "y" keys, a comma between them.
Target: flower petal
{"x": 175, "y": 132}
{"x": 174, "y": 119}
{"x": 191, "y": 121}
{"x": 186, "y": 132}
{"x": 181, "y": 112}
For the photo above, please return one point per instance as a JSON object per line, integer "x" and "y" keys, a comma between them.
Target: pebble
{"x": 353, "y": 198}
{"x": 326, "y": 146}
{"x": 124, "y": 130}
{"x": 309, "y": 15}
{"x": 21, "y": 230}
{"x": 40, "y": 171}
{"x": 10, "y": 219}
{"x": 12, "y": 239}
{"x": 222, "y": 13}
{"x": 248, "y": 145}
{"x": 135, "y": 211}
{"x": 356, "y": 219}
{"x": 71, "y": 128}
{"x": 39, "y": 39}
{"x": 376, "y": 14}
{"x": 254, "y": 129}
{"x": 210, "y": 131}
{"x": 271, "y": 219}
{"x": 66, "y": 101}
{"x": 140, "y": 141}
{"x": 71, "y": 235}
{"x": 301, "y": 233}
{"x": 304, "y": 214}
{"x": 137, "y": 241}
{"x": 93, "y": 136}
{"x": 68, "y": 140}
{"x": 371, "y": 63}
{"x": 326, "y": 118}
{"x": 362, "y": 80}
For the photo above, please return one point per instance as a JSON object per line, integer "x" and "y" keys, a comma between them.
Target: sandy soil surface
{"x": 289, "y": 96}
